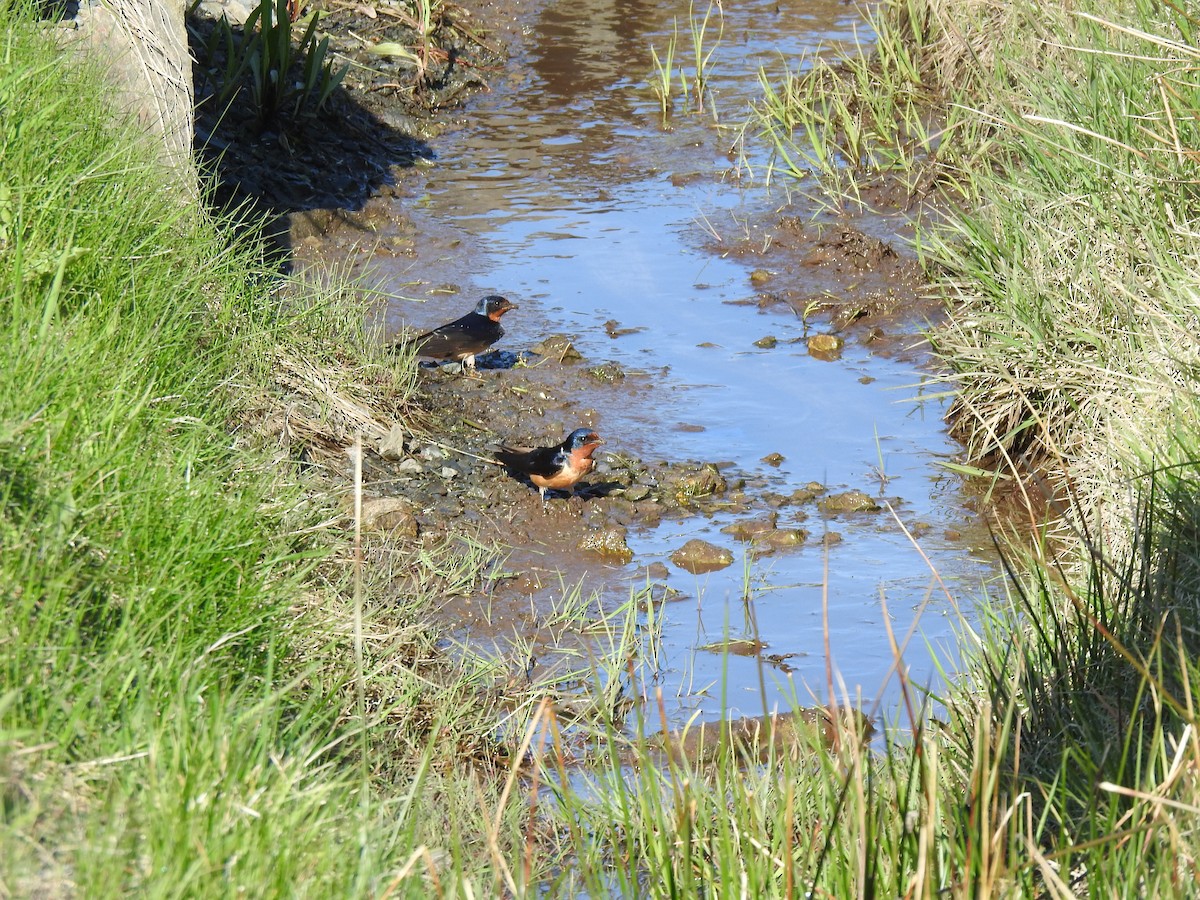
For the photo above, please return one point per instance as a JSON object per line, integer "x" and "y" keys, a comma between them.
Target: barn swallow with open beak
{"x": 556, "y": 468}
{"x": 461, "y": 339}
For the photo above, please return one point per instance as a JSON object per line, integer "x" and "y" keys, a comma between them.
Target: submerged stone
{"x": 825, "y": 346}
{"x": 749, "y": 529}
{"x": 697, "y": 556}
{"x": 758, "y": 738}
{"x": 848, "y": 501}
{"x": 784, "y": 538}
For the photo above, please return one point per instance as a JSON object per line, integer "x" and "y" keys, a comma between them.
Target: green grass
{"x": 195, "y": 698}
{"x": 1065, "y": 141}
{"x": 177, "y": 680}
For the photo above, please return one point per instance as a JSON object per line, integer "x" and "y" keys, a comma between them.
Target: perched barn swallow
{"x": 463, "y": 338}
{"x": 554, "y": 468}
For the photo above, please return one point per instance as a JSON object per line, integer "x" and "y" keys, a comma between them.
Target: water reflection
{"x": 560, "y": 192}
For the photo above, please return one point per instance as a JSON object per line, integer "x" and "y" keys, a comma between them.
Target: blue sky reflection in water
{"x": 566, "y": 193}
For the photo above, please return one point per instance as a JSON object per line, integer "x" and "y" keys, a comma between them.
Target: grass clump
{"x": 1067, "y": 136}
{"x": 281, "y": 76}
{"x": 177, "y": 679}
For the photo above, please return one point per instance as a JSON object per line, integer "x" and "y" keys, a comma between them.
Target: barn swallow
{"x": 554, "y": 468}
{"x": 463, "y": 338}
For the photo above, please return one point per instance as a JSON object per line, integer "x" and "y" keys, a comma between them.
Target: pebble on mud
{"x": 409, "y": 468}
{"x": 608, "y": 373}
{"x": 389, "y": 514}
{"x": 702, "y": 483}
{"x": 609, "y": 542}
{"x": 698, "y": 556}
{"x": 848, "y": 501}
{"x": 825, "y": 347}
{"x": 391, "y": 447}
{"x": 636, "y": 492}
{"x": 557, "y": 346}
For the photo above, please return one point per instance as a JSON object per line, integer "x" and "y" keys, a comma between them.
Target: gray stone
{"x": 409, "y": 468}
{"x": 392, "y": 445}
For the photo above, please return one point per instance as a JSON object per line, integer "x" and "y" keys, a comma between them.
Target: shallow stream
{"x": 566, "y": 192}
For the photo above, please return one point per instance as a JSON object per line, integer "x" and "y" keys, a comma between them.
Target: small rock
{"x": 389, "y": 514}
{"x": 760, "y": 277}
{"x": 747, "y": 530}
{"x": 767, "y": 343}
{"x": 697, "y": 556}
{"x": 773, "y": 459}
{"x": 448, "y": 472}
{"x": 735, "y": 647}
{"x": 785, "y": 538}
{"x": 831, "y": 538}
{"x": 848, "y": 501}
{"x": 558, "y": 346}
{"x": 409, "y": 468}
{"x": 703, "y": 483}
{"x": 825, "y": 346}
{"x": 614, "y": 330}
{"x": 432, "y": 453}
{"x": 608, "y": 542}
{"x": 657, "y": 571}
{"x": 609, "y": 373}
{"x": 391, "y": 447}
{"x": 636, "y": 492}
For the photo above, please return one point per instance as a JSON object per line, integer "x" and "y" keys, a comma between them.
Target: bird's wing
{"x": 543, "y": 461}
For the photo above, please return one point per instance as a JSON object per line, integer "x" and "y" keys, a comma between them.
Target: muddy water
{"x": 567, "y": 193}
